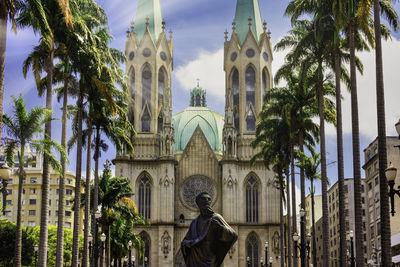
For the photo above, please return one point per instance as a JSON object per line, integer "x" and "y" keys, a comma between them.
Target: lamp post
{"x": 96, "y": 239}
{"x": 304, "y": 248}
{"x": 248, "y": 261}
{"x": 270, "y": 261}
{"x": 352, "y": 259}
{"x": 391, "y": 174}
{"x": 302, "y": 241}
{"x": 102, "y": 238}
{"x": 4, "y": 175}
{"x": 145, "y": 261}
{"x": 130, "y": 253}
{"x": 262, "y": 262}
{"x": 266, "y": 251}
{"x": 133, "y": 260}
{"x": 36, "y": 248}
{"x": 90, "y": 239}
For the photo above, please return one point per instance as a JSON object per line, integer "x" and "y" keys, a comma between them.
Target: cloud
{"x": 208, "y": 67}
{"x": 366, "y": 88}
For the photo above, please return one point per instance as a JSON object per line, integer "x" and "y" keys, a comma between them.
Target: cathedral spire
{"x": 148, "y": 16}
{"x": 246, "y": 10}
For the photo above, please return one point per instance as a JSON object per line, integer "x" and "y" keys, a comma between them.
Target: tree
{"x": 22, "y": 127}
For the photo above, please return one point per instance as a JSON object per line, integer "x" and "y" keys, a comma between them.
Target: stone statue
{"x": 209, "y": 237}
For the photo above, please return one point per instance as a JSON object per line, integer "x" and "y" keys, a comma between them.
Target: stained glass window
{"x": 252, "y": 250}
{"x": 145, "y": 197}
{"x": 194, "y": 186}
{"x": 252, "y": 200}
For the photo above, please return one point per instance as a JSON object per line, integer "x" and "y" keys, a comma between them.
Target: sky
{"x": 198, "y": 35}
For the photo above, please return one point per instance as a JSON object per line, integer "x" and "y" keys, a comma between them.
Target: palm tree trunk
{"x": 61, "y": 201}
{"x": 314, "y": 244}
{"x": 96, "y": 189}
{"x": 294, "y": 221}
{"x": 383, "y": 183}
{"x": 75, "y": 242}
{"x": 342, "y": 221}
{"x": 18, "y": 233}
{"x": 44, "y": 212}
{"x": 85, "y": 256}
{"x": 3, "y": 38}
{"x": 356, "y": 150}
{"x": 108, "y": 246}
{"x": 282, "y": 226}
{"x": 302, "y": 191}
{"x": 289, "y": 230}
{"x": 324, "y": 182}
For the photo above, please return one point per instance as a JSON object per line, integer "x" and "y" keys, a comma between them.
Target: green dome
{"x": 210, "y": 122}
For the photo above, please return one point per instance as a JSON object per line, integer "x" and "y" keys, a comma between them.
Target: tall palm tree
{"x": 22, "y": 128}
{"x": 385, "y": 8}
{"x": 310, "y": 165}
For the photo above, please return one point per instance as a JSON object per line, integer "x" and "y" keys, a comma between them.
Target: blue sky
{"x": 198, "y": 34}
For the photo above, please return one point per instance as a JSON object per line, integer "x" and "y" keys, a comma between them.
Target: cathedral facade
{"x": 178, "y": 156}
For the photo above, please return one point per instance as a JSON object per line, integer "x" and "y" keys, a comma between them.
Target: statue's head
{"x": 203, "y": 201}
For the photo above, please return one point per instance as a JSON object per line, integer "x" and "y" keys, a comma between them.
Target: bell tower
{"x": 247, "y": 66}
{"x": 149, "y": 66}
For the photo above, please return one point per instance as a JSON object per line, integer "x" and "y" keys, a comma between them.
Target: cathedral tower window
{"x": 252, "y": 200}
{"x": 235, "y": 88}
{"x": 250, "y": 79}
{"x": 161, "y": 88}
{"x": 132, "y": 91}
{"x": 264, "y": 81}
{"x": 198, "y": 104}
{"x": 145, "y": 197}
{"x": 146, "y": 250}
{"x": 146, "y": 99}
{"x": 132, "y": 84}
{"x": 252, "y": 249}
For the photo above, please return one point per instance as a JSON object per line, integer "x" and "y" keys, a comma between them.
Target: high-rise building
{"x": 176, "y": 157}
{"x": 371, "y": 167}
{"x": 32, "y": 193}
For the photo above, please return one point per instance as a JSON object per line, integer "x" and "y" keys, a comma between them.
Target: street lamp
{"x": 248, "y": 261}
{"x": 5, "y": 172}
{"x": 266, "y": 251}
{"x": 145, "y": 261}
{"x": 90, "y": 239}
{"x": 270, "y": 261}
{"x": 352, "y": 259}
{"x": 304, "y": 248}
{"x": 133, "y": 260}
{"x": 36, "y": 248}
{"x": 102, "y": 238}
{"x": 262, "y": 261}
{"x": 96, "y": 239}
{"x": 130, "y": 253}
{"x": 302, "y": 240}
{"x": 391, "y": 174}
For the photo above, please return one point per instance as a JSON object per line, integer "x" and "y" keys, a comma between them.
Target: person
{"x": 209, "y": 237}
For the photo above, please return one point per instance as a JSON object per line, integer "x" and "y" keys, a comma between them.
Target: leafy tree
{"x": 22, "y": 128}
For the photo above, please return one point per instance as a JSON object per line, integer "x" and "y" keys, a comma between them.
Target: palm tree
{"x": 22, "y": 127}
{"x": 310, "y": 166}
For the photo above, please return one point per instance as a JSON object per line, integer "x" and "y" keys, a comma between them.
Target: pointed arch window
{"x": 252, "y": 250}
{"x": 146, "y": 99}
{"x": 145, "y": 196}
{"x": 146, "y": 250}
{"x": 132, "y": 83}
{"x": 264, "y": 81}
{"x": 198, "y": 100}
{"x": 132, "y": 110}
{"x": 252, "y": 200}
{"x": 161, "y": 88}
{"x": 235, "y": 88}
{"x": 250, "y": 78}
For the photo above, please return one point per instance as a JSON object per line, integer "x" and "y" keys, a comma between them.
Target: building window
{"x": 264, "y": 80}
{"x": 235, "y": 88}
{"x": 252, "y": 200}
{"x": 132, "y": 84}
{"x": 34, "y": 180}
{"x": 252, "y": 250}
{"x": 68, "y": 191}
{"x": 145, "y": 197}
{"x": 69, "y": 181}
{"x": 32, "y": 224}
{"x": 8, "y": 202}
{"x": 68, "y": 213}
{"x": 32, "y": 191}
{"x": 146, "y": 99}
{"x": 250, "y": 99}
{"x": 32, "y": 212}
{"x": 376, "y": 181}
{"x": 372, "y": 231}
{"x": 370, "y": 186}
{"x": 32, "y": 201}
{"x": 146, "y": 249}
{"x": 161, "y": 87}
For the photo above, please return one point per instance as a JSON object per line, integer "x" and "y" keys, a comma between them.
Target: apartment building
{"x": 31, "y": 193}
{"x": 334, "y": 224}
{"x": 371, "y": 168}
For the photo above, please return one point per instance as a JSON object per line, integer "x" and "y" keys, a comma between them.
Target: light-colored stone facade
{"x": 165, "y": 181}
{"x": 371, "y": 167}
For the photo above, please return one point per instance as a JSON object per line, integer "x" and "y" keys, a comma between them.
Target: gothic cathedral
{"x": 178, "y": 156}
